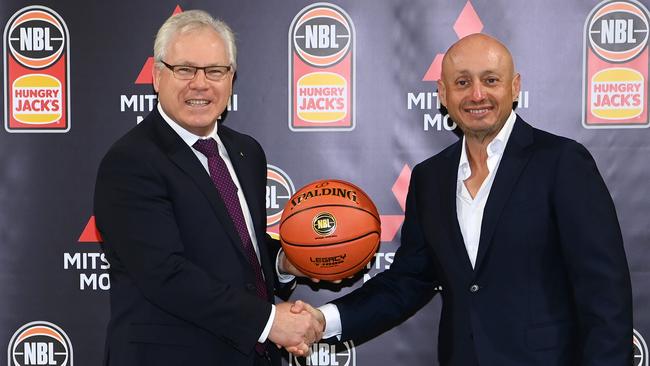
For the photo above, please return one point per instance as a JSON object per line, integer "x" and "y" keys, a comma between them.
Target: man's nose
{"x": 478, "y": 92}
{"x": 199, "y": 80}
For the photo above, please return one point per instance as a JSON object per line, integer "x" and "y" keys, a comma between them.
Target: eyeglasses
{"x": 186, "y": 72}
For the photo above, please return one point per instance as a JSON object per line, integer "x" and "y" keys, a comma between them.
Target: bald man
{"x": 516, "y": 225}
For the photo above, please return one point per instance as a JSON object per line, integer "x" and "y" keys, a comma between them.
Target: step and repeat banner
{"x": 341, "y": 89}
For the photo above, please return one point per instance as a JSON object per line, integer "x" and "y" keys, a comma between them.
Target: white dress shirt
{"x": 469, "y": 211}
{"x": 190, "y": 139}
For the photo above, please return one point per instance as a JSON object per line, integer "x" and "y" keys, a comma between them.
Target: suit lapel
{"x": 244, "y": 168}
{"x": 514, "y": 159}
{"x": 181, "y": 155}
{"x": 246, "y": 176}
{"x": 450, "y": 181}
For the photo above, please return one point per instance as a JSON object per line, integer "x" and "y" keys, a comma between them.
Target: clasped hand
{"x": 296, "y": 327}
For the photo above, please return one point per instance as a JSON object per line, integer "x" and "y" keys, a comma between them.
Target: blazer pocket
{"x": 162, "y": 334}
{"x": 548, "y": 336}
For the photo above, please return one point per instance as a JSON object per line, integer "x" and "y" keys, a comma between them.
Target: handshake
{"x": 296, "y": 327}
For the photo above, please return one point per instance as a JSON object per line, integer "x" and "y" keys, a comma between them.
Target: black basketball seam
{"x": 328, "y": 244}
{"x": 333, "y": 205}
{"x": 302, "y": 269}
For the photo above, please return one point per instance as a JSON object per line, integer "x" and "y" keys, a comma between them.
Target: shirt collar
{"x": 495, "y": 147}
{"x": 189, "y": 138}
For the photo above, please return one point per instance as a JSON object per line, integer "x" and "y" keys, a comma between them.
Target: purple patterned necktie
{"x": 228, "y": 192}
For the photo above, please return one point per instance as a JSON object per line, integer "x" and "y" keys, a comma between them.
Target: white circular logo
{"x": 39, "y": 343}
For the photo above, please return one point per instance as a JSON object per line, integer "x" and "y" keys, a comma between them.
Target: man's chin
{"x": 201, "y": 128}
{"x": 482, "y": 132}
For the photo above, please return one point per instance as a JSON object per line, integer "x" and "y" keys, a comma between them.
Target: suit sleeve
{"x": 394, "y": 295}
{"x": 592, "y": 246}
{"x": 135, "y": 217}
{"x": 283, "y": 290}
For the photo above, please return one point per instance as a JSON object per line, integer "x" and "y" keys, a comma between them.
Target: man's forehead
{"x": 473, "y": 66}
{"x": 197, "y": 41}
{"x": 477, "y": 61}
{"x": 485, "y": 71}
{"x": 204, "y": 33}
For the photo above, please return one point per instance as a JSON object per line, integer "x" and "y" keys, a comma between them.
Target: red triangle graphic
{"x": 145, "y": 76}
{"x": 390, "y": 225}
{"x": 433, "y": 73}
{"x": 90, "y": 233}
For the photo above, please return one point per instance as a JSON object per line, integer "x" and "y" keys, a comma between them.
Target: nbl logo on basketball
{"x": 39, "y": 343}
{"x": 36, "y": 70}
{"x": 323, "y": 354}
{"x": 616, "y": 63}
{"x": 321, "y": 69}
{"x": 324, "y": 224}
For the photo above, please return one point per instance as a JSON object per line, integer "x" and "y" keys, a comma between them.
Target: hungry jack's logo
{"x": 321, "y": 69}
{"x": 615, "y": 70}
{"x": 36, "y": 71}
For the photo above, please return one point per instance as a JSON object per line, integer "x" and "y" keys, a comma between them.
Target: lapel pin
{"x": 241, "y": 153}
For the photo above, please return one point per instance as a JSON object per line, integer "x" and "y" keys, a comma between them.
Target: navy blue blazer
{"x": 551, "y": 285}
{"x": 182, "y": 291}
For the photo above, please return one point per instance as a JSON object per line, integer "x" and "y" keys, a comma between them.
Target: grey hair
{"x": 187, "y": 21}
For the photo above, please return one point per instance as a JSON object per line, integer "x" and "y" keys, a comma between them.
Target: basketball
{"x": 330, "y": 229}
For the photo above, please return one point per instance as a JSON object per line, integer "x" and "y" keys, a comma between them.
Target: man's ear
{"x": 516, "y": 87}
{"x": 155, "y": 73}
{"x": 442, "y": 92}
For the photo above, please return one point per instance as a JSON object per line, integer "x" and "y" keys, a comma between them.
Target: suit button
{"x": 474, "y": 288}
{"x": 250, "y": 287}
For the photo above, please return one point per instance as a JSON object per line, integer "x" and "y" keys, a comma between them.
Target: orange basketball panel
{"x": 329, "y": 192}
{"x": 333, "y": 262}
{"x": 327, "y": 225}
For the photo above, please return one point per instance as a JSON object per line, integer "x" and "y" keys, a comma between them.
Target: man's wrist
{"x": 267, "y": 328}
{"x": 283, "y": 276}
{"x": 332, "y": 319}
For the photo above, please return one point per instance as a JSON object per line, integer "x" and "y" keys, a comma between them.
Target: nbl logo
{"x": 618, "y": 32}
{"x": 616, "y": 63}
{"x": 640, "y": 350}
{"x": 324, "y": 224}
{"x": 39, "y": 343}
{"x": 321, "y": 69}
{"x": 322, "y": 39}
{"x": 279, "y": 189}
{"x": 36, "y": 39}
{"x": 323, "y": 354}
{"x": 36, "y": 70}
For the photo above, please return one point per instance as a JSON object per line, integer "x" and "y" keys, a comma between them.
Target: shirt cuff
{"x": 267, "y": 329}
{"x": 282, "y": 277}
{"x": 332, "y": 316}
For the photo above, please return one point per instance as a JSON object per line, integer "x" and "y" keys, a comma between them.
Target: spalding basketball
{"x": 330, "y": 229}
